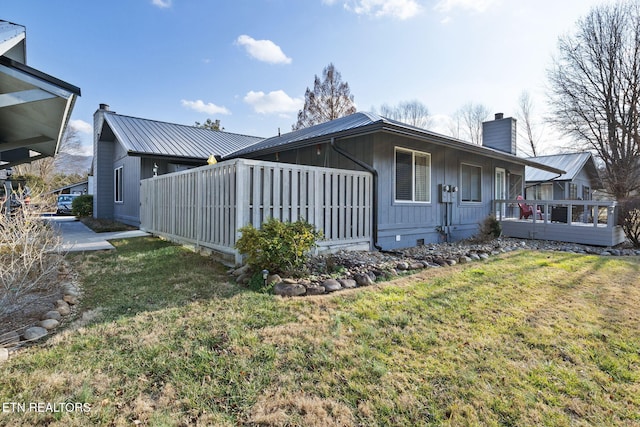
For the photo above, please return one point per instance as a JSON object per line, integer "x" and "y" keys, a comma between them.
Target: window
{"x": 470, "y": 183}
{"x": 413, "y": 176}
{"x": 586, "y": 193}
{"x": 118, "y": 185}
{"x": 515, "y": 186}
{"x": 573, "y": 191}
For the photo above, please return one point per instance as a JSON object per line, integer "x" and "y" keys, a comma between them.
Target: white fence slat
{"x": 206, "y": 206}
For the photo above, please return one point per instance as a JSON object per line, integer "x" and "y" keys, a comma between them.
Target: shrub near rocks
{"x": 280, "y": 247}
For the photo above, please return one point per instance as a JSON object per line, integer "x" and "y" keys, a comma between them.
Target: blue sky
{"x": 248, "y": 62}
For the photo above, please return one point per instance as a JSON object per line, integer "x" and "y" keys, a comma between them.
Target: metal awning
{"x": 34, "y": 111}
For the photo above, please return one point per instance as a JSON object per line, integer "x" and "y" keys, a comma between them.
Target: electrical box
{"x": 445, "y": 194}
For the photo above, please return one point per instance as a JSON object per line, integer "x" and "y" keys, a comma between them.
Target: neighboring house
{"x": 579, "y": 181}
{"x": 129, "y": 149}
{"x": 34, "y": 107}
{"x": 77, "y": 188}
{"x": 426, "y": 185}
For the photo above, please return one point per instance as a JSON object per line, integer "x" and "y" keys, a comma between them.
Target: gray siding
{"x": 103, "y": 179}
{"x": 401, "y": 224}
{"x": 128, "y": 211}
{"x": 500, "y": 135}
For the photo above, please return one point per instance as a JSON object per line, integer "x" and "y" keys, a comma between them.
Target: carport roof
{"x": 34, "y": 106}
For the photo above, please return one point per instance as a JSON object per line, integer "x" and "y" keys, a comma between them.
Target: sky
{"x": 249, "y": 62}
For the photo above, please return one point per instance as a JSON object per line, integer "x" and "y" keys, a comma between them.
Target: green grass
{"x": 524, "y": 339}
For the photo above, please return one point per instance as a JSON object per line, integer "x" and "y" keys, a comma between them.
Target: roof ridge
{"x": 181, "y": 125}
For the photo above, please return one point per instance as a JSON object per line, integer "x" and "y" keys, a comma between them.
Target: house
{"x": 579, "y": 181}
{"x": 34, "y": 106}
{"x": 76, "y": 188}
{"x": 426, "y": 187}
{"x": 128, "y": 149}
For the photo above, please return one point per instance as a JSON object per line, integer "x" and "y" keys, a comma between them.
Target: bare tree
{"x": 414, "y": 113}
{"x": 525, "y": 116}
{"x": 595, "y": 91}
{"x": 470, "y": 117}
{"x": 47, "y": 168}
{"x": 329, "y": 99}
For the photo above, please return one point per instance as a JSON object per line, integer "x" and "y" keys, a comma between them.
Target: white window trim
{"x": 472, "y": 202}
{"x": 115, "y": 185}
{"x": 413, "y": 176}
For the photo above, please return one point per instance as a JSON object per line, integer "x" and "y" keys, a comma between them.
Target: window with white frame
{"x": 413, "y": 176}
{"x": 470, "y": 183}
{"x": 118, "y": 185}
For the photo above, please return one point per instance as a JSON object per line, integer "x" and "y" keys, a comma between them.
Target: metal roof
{"x": 149, "y": 137}
{"x": 363, "y": 123}
{"x": 34, "y": 106}
{"x": 12, "y": 40}
{"x": 572, "y": 163}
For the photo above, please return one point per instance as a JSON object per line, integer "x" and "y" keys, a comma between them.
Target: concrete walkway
{"x": 77, "y": 237}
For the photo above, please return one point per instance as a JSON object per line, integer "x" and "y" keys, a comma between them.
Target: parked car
{"x": 64, "y": 203}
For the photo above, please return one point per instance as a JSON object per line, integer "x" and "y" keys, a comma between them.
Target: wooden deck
{"x": 585, "y": 222}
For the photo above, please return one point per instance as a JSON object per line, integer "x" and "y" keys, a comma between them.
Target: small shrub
{"x": 629, "y": 219}
{"x": 490, "y": 229}
{"x": 280, "y": 247}
{"x": 82, "y": 206}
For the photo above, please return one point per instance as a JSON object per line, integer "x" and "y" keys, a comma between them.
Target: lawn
{"x": 526, "y": 338}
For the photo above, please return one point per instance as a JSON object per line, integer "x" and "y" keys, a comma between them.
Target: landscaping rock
{"x": 331, "y": 285}
{"x": 416, "y": 266}
{"x": 53, "y": 314}
{"x": 243, "y": 279}
{"x": 363, "y": 280}
{"x": 49, "y": 324}
{"x": 34, "y": 333}
{"x": 289, "y": 289}
{"x": 402, "y": 266}
{"x": 4, "y": 354}
{"x": 273, "y": 278}
{"x": 451, "y": 262}
{"x": 245, "y": 269}
{"x": 289, "y": 281}
{"x": 70, "y": 299}
{"x": 62, "y": 307}
{"x": 464, "y": 260}
{"x": 348, "y": 283}
{"x": 314, "y": 289}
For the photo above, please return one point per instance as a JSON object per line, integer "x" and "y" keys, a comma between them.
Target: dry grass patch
{"x": 524, "y": 339}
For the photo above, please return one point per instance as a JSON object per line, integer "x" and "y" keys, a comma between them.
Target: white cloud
{"x": 201, "y": 107}
{"x": 263, "y": 50}
{"x": 472, "y": 5}
{"x": 163, "y": 4}
{"x": 401, "y": 9}
{"x": 81, "y": 126}
{"x": 275, "y": 102}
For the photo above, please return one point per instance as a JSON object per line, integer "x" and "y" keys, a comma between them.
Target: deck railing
{"x": 578, "y": 221}
{"x": 206, "y": 206}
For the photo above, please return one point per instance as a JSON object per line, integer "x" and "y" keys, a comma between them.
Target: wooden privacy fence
{"x": 206, "y": 206}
